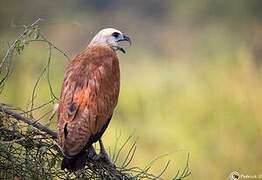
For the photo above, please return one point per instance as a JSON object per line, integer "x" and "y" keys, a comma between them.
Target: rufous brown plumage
{"x": 89, "y": 96}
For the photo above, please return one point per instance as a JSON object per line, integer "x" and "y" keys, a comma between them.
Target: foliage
{"x": 28, "y": 153}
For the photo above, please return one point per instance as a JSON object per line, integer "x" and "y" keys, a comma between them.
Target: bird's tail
{"x": 74, "y": 163}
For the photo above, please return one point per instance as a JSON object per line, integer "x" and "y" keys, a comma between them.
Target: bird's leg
{"x": 103, "y": 154}
{"x": 102, "y": 148}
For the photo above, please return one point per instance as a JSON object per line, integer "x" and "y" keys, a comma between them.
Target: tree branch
{"x": 26, "y": 120}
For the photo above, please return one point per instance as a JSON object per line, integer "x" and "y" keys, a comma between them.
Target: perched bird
{"x": 89, "y": 96}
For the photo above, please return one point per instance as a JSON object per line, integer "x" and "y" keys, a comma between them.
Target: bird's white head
{"x": 110, "y": 37}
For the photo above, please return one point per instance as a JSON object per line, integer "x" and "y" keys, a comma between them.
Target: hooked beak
{"x": 124, "y": 38}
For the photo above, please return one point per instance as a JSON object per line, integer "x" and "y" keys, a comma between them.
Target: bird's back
{"x": 89, "y": 95}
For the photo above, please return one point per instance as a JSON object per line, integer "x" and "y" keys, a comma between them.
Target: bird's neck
{"x": 101, "y": 45}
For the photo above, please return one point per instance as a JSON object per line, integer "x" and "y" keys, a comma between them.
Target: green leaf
{"x": 36, "y": 34}
{"x": 30, "y": 32}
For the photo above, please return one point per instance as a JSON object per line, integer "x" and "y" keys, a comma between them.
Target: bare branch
{"x": 31, "y": 122}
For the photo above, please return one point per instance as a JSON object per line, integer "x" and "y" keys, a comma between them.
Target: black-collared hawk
{"x": 89, "y": 96}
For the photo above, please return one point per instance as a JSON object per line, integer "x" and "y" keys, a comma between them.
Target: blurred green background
{"x": 190, "y": 83}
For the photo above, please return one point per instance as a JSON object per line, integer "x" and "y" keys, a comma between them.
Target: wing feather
{"x": 88, "y": 98}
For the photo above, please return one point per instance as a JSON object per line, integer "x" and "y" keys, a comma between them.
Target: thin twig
{"x": 10, "y": 50}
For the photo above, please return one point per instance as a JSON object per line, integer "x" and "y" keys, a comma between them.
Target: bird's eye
{"x": 115, "y": 34}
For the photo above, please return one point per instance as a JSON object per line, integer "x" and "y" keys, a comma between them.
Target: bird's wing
{"x": 88, "y": 98}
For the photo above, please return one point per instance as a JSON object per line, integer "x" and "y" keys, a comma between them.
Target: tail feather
{"x": 74, "y": 163}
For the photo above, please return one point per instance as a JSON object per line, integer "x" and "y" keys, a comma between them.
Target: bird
{"x": 89, "y": 95}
